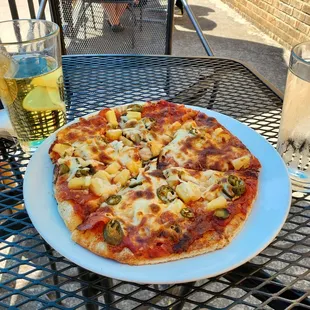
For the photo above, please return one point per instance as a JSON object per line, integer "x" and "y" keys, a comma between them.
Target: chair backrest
{"x": 86, "y": 30}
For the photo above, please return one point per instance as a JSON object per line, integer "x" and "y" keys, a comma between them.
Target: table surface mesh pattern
{"x": 278, "y": 278}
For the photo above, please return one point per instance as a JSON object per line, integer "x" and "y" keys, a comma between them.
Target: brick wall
{"x": 286, "y": 21}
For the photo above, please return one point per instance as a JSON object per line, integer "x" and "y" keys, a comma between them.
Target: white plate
{"x": 263, "y": 224}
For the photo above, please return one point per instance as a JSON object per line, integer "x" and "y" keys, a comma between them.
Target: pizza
{"x": 152, "y": 182}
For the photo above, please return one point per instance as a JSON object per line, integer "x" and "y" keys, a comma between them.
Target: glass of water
{"x": 294, "y": 134}
{"x": 31, "y": 79}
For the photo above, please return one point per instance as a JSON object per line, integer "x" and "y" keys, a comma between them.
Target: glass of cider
{"x": 31, "y": 79}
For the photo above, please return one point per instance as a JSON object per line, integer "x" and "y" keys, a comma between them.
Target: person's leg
{"x": 110, "y": 9}
{"x": 120, "y": 9}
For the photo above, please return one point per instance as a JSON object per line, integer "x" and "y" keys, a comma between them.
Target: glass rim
{"x": 307, "y": 63}
{"x": 49, "y": 35}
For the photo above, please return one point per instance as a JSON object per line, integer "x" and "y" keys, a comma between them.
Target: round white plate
{"x": 263, "y": 224}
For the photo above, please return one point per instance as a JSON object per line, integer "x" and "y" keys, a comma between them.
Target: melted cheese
{"x": 133, "y": 208}
{"x": 202, "y": 148}
{"x": 191, "y": 185}
{"x": 176, "y": 206}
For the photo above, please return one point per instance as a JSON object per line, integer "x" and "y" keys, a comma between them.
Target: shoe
{"x": 117, "y": 28}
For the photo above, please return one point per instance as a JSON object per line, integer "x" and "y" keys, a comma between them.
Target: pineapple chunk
{"x": 102, "y": 174}
{"x": 175, "y": 206}
{"x": 188, "y": 191}
{"x": 217, "y": 131}
{"x": 210, "y": 195}
{"x": 113, "y": 168}
{"x": 113, "y": 134}
{"x": 241, "y": 162}
{"x": 62, "y": 149}
{"x": 175, "y": 126}
{"x": 79, "y": 183}
{"x": 145, "y": 153}
{"x": 189, "y": 124}
{"x": 102, "y": 187}
{"x": 134, "y": 115}
{"x": 126, "y": 141}
{"x": 173, "y": 180}
{"x": 217, "y": 203}
{"x": 111, "y": 118}
{"x": 155, "y": 147}
{"x": 134, "y": 167}
{"x": 122, "y": 177}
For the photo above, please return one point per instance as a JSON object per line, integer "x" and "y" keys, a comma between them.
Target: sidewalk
{"x": 230, "y": 35}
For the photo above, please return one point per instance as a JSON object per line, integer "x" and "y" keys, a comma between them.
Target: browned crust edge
{"x": 90, "y": 241}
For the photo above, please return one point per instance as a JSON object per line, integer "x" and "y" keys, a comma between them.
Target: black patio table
{"x": 34, "y": 276}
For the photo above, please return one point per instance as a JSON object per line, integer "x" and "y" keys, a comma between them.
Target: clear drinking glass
{"x": 294, "y": 134}
{"x": 31, "y": 79}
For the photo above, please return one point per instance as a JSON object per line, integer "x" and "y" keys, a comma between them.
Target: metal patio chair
{"x": 85, "y": 30}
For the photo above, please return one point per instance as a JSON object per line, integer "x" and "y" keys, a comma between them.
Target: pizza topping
{"x": 238, "y": 185}
{"x": 135, "y": 108}
{"x": 228, "y": 190}
{"x": 148, "y": 122}
{"x": 89, "y": 170}
{"x": 111, "y": 118}
{"x": 145, "y": 153}
{"x": 186, "y": 212}
{"x": 102, "y": 174}
{"x": 222, "y": 213}
{"x": 165, "y": 193}
{"x": 113, "y": 134}
{"x": 232, "y": 179}
{"x": 175, "y": 206}
{"x": 241, "y": 162}
{"x": 193, "y": 131}
{"x": 134, "y": 167}
{"x": 63, "y": 149}
{"x": 134, "y": 115}
{"x": 122, "y": 177}
{"x": 217, "y": 203}
{"x": 126, "y": 141}
{"x": 113, "y": 232}
{"x": 113, "y": 168}
{"x": 155, "y": 147}
{"x": 239, "y": 188}
{"x": 79, "y": 183}
{"x": 134, "y": 182}
{"x": 102, "y": 187}
{"x": 114, "y": 200}
{"x": 63, "y": 169}
{"x": 188, "y": 191}
{"x": 176, "y": 228}
{"x": 132, "y": 134}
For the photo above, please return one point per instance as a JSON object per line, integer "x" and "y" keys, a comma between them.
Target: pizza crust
{"x": 67, "y": 213}
{"x": 89, "y": 239}
{"x": 71, "y": 219}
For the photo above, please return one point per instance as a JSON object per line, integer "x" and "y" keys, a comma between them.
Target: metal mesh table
{"x": 34, "y": 276}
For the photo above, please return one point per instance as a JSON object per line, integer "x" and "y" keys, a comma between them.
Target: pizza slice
{"x": 227, "y": 197}
{"x": 168, "y": 215}
{"x": 202, "y": 144}
{"x": 81, "y": 186}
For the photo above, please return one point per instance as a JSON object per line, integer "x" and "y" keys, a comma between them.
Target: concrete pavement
{"x": 230, "y": 35}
